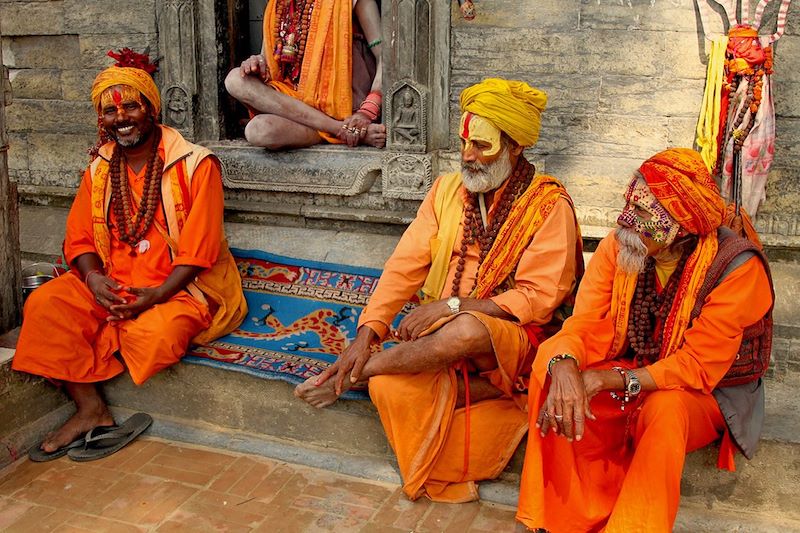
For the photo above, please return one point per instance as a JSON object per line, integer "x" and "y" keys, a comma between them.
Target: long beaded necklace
{"x": 292, "y": 20}
{"x": 649, "y": 309}
{"x": 474, "y": 230}
{"x": 133, "y": 228}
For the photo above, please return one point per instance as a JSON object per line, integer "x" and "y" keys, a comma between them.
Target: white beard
{"x": 632, "y": 251}
{"x": 479, "y": 177}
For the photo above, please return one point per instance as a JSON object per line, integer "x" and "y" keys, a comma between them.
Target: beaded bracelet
{"x": 373, "y": 44}
{"x": 560, "y": 357}
{"x": 626, "y": 397}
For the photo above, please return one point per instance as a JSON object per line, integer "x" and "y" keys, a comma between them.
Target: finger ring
{"x": 558, "y": 417}
{"x": 546, "y": 415}
{"x": 344, "y": 126}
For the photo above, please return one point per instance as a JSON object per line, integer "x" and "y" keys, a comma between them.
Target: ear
{"x": 514, "y": 148}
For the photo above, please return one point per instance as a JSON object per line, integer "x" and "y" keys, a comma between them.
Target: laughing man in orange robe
{"x": 144, "y": 293}
{"x": 488, "y": 296}
{"x": 594, "y": 466}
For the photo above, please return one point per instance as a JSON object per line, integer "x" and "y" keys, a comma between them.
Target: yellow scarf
{"x": 524, "y": 220}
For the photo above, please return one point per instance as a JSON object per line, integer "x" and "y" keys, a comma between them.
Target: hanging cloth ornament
{"x": 736, "y": 127}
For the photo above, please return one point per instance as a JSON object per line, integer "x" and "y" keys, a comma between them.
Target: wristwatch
{"x": 634, "y": 387}
{"x": 454, "y": 304}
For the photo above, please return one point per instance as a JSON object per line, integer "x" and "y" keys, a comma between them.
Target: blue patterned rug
{"x": 302, "y": 315}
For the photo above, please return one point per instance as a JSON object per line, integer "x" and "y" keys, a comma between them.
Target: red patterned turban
{"x": 678, "y": 177}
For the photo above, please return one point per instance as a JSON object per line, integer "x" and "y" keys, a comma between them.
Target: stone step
{"x": 238, "y": 412}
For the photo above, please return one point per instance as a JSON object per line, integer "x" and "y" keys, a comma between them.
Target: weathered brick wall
{"x": 625, "y": 79}
{"x": 54, "y": 49}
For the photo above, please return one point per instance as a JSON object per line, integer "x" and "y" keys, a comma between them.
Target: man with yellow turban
{"x": 494, "y": 252}
{"x": 663, "y": 355}
{"x": 150, "y": 267}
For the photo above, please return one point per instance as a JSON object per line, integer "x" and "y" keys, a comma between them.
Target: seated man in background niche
{"x": 318, "y": 78}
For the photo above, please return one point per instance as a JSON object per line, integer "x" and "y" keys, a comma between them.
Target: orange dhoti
{"x": 441, "y": 450}
{"x": 65, "y": 335}
{"x": 627, "y": 463}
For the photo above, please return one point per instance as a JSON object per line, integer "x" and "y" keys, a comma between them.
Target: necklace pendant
{"x": 143, "y": 246}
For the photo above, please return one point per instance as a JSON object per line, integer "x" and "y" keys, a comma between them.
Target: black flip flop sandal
{"x": 103, "y": 441}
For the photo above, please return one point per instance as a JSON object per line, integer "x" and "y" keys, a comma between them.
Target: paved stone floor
{"x": 156, "y": 485}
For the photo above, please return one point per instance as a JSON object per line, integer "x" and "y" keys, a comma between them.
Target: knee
{"x": 467, "y": 331}
{"x": 264, "y": 131}
{"x": 234, "y": 83}
{"x": 666, "y": 410}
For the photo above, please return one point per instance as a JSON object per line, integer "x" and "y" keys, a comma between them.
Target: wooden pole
{"x": 10, "y": 292}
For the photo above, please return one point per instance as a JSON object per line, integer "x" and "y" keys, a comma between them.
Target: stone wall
{"x": 54, "y": 49}
{"x": 625, "y": 79}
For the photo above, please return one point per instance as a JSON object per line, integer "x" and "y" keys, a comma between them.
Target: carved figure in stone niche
{"x": 177, "y": 104}
{"x": 406, "y": 125}
{"x": 494, "y": 252}
{"x": 300, "y": 89}
{"x": 150, "y": 269}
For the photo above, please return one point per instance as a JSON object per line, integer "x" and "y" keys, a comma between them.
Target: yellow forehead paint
{"x": 476, "y": 128}
{"x": 119, "y": 94}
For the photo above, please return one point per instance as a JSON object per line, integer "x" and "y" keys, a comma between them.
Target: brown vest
{"x": 754, "y": 353}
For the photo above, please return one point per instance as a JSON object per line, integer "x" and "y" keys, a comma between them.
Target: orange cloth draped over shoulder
{"x": 65, "y": 335}
{"x": 624, "y": 475}
{"x": 326, "y": 76}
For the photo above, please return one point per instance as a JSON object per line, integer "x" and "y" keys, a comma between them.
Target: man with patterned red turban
{"x": 663, "y": 355}
{"x": 494, "y": 252}
{"x": 150, "y": 267}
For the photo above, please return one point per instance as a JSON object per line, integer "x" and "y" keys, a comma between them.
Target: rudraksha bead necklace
{"x": 649, "y": 308}
{"x": 474, "y": 231}
{"x": 292, "y": 20}
{"x": 132, "y": 228}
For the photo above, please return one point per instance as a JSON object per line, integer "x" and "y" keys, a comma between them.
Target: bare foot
{"x": 376, "y": 136}
{"x": 79, "y": 424}
{"x": 319, "y": 395}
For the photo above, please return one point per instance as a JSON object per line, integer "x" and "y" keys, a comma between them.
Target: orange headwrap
{"x": 678, "y": 177}
{"x": 130, "y": 76}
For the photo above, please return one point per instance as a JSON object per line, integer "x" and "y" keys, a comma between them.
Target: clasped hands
{"x": 352, "y": 360}
{"x": 110, "y": 294}
{"x": 566, "y": 407}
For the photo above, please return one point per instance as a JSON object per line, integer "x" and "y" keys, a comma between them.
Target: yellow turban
{"x": 132, "y": 77}
{"x": 513, "y": 106}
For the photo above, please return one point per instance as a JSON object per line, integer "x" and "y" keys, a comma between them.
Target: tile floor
{"x": 156, "y": 485}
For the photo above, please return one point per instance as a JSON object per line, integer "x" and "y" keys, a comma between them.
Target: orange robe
{"x": 624, "y": 475}
{"x": 326, "y": 79}
{"x": 64, "y": 333}
{"x": 426, "y": 432}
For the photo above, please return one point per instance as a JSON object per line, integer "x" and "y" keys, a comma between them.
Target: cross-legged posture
{"x": 671, "y": 331}
{"x": 318, "y": 77}
{"x": 150, "y": 266}
{"x": 495, "y": 250}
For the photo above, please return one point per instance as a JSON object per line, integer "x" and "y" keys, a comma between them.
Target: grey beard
{"x": 478, "y": 177}
{"x": 632, "y": 251}
{"x": 136, "y": 141}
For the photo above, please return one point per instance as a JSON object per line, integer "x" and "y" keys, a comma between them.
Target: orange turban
{"x": 132, "y": 77}
{"x": 678, "y": 177}
{"x": 513, "y": 106}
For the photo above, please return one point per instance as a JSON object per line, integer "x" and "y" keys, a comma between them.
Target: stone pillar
{"x": 416, "y": 89}
{"x": 178, "y": 66}
{"x": 9, "y": 221}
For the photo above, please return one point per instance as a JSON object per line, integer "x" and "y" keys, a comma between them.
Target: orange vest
{"x": 219, "y": 287}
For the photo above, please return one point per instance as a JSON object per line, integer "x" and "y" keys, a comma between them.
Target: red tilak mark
{"x": 117, "y": 97}
{"x": 467, "y": 120}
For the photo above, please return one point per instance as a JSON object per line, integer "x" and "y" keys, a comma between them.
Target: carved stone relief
{"x": 407, "y": 176}
{"x": 177, "y": 107}
{"x": 406, "y": 118}
{"x": 178, "y": 66}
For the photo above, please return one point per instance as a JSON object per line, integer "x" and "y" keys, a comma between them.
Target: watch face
{"x": 634, "y": 387}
